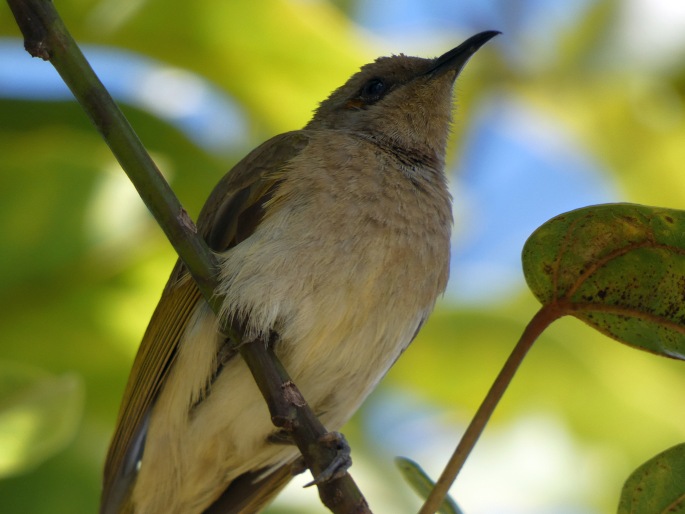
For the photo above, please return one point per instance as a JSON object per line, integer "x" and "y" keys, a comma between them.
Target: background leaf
{"x": 417, "y": 478}
{"x": 658, "y": 486}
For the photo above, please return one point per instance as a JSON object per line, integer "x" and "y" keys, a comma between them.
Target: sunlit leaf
{"x": 618, "y": 267}
{"x": 423, "y": 484}
{"x": 39, "y": 415}
{"x": 658, "y": 486}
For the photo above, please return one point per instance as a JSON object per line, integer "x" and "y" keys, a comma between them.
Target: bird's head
{"x": 406, "y": 101}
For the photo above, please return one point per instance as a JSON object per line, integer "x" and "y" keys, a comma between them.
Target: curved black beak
{"x": 456, "y": 58}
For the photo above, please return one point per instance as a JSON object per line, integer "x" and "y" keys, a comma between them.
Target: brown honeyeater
{"x": 333, "y": 245}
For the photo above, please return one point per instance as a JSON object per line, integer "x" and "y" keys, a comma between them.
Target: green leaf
{"x": 423, "y": 484}
{"x": 39, "y": 416}
{"x": 658, "y": 486}
{"x": 618, "y": 267}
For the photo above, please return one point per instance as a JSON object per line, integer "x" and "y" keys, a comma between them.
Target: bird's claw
{"x": 340, "y": 463}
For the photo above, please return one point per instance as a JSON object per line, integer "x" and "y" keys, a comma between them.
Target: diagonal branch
{"x": 46, "y": 37}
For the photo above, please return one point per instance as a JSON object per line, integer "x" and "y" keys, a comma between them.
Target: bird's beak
{"x": 456, "y": 58}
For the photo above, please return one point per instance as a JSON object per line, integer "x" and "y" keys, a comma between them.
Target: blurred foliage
{"x": 39, "y": 415}
{"x": 83, "y": 264}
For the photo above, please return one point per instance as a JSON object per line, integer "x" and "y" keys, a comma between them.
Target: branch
{"x": 46, "y": 37}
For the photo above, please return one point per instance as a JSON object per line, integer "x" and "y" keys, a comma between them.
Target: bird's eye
{"x": 373, "y": 90}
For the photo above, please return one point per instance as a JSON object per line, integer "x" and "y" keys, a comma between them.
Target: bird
{"x": 333, "y": 245}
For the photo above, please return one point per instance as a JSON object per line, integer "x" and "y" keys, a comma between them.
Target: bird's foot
{"x": 340, "y": 463}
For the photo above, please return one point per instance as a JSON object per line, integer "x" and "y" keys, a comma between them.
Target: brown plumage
{"x": 335, "y": 238}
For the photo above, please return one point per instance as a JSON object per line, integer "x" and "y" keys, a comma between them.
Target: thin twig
{"x": 542, "y": 319}
{"x": 46, "y": 37}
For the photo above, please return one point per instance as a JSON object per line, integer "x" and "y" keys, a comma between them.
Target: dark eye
{"x": 373, "y": 90}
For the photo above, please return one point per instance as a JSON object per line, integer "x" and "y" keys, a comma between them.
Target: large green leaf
{"x": 658, "y": 486}
{"x": 618, "y": 267}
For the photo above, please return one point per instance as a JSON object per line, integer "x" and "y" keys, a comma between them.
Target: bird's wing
{"x": 230, "y": 215}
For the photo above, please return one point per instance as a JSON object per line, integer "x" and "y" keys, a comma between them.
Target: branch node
{"x": 283, "y": 422}
{"x": 292, "y": 395}
{"x": 185, "y": 220}
{"x": 37, "y": 48}
{"x": 32, "y": 26}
